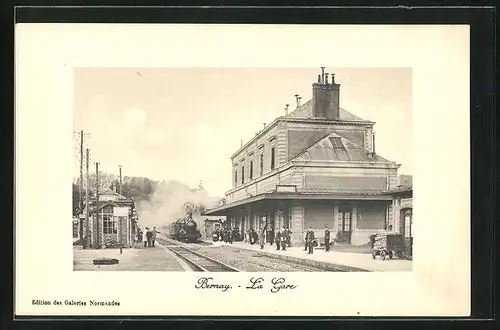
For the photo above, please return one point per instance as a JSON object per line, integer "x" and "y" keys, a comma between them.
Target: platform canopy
{"x": 378, "y": 195}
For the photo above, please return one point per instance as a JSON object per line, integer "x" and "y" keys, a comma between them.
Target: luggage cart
{"x": 388, "y": 244}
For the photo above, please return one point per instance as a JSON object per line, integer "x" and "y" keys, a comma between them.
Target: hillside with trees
{"x": 143, "y": 189}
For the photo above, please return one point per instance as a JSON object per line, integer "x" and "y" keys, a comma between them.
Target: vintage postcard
{"x": 231, "y": 163}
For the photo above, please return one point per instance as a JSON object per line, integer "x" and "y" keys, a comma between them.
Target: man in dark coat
{"x": 277, "y": 239}
{"x": 284, "y": 238}
{"x": 288, "y": 237}
{"x": 149, "y": 236}
{"x": 310, "y": 240}
{"x": 327, "y": 239}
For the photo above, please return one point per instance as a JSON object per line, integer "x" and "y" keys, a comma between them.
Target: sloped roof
{"x": 107, "y": 191}
{"x": 332, "y": 147}
{"x": 305, "y": 111}
{"x": 103, "y": 204}
{"x": 401, "y": 190}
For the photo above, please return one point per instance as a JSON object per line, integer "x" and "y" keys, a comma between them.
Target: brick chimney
{"x": 325, "y": 101}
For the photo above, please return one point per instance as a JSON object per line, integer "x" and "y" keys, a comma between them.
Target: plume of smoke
{"x": 173, "y": 200}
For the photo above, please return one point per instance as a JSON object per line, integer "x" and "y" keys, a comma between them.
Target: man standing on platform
{"x": 310, "y": 240}
{"x": 284, "y": 238}
{"x": 288, "y": 237}
{"x": 327, "y": 239}
{"x": 153, "y": 236}
{"x": 277, "y": 239}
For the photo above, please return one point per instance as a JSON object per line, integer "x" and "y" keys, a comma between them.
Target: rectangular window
{"x": 251, "y": 170}
{"x": 75, "y": 228}
{"x": 344, "y": 221}
{"x": 344, "y": 218}
{"x": 261, "y": 164}
{"x": 272, "y": 158}
{"x": 108, "y": 224}
{"x": 407, "y": 226}
{"x": 235, "y": 178}
{"x": 242, "y": 174}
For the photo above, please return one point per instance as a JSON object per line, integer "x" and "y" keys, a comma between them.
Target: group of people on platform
{"x": 252, "y": 236}
{"x": 311, "y": 241}
{"x": 227, "y": 235}
{"x": 147, "y": 235}
{"x": 280, "y": 237}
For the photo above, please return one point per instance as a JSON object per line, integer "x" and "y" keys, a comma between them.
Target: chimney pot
{"x": 333, "y": 78}
{"x": 264, "y": 125}
{"x": 298, "y": 101}
{"x": 326, "y": 78}
{"x": 319, "y": 79}
{"x": 241, "y": 143}
{"x": 322, "y": 74}
{"x": 297, "y": 98}
{"x": 325, "y": 101}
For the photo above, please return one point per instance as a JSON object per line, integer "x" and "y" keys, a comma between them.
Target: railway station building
{"x": 313, "y": 167}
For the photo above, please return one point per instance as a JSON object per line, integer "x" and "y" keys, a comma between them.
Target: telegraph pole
{"x": 87, "y": 222}
{"x": 81, "y": 169}
{"x": 80, "y": 186}
{"x": 98, "y": 243}
{"x": 120, "y": 167}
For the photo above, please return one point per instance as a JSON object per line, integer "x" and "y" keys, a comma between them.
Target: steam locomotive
{"x": 185, "y": 230}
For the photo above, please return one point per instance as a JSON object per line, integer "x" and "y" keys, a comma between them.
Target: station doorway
{"x": 406, "y": 230}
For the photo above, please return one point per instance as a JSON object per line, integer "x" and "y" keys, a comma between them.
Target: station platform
{"x": 137, "y": 258}
{"x": 360, "y": 261}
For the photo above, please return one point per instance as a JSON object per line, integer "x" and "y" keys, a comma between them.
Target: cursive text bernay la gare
{"x": 204, "y": 283}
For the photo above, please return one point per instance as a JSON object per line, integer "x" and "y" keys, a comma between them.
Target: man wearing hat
{"x": 327, "y": 239}
{"x": 310, "y": 240}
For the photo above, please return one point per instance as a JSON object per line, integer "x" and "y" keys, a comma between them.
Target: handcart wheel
{"x": 382, "y": 255}
{"x": 390, "y": 255}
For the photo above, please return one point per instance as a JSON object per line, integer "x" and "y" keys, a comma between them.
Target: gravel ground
{"x": 135, "y": 259}
{"x": 251, "y": 261}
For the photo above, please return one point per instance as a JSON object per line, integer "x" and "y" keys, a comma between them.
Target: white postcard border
{"x": 439, "y": 57}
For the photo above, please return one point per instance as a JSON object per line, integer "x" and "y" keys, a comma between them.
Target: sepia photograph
{"x": 300, "y": 182}
{"x": 242, "y": 163}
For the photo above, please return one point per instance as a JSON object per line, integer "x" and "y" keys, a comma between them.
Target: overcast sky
{"x": 185, "y": 123}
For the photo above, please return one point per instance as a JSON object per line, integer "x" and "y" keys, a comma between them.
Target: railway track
{"x": 197, "y": 261}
